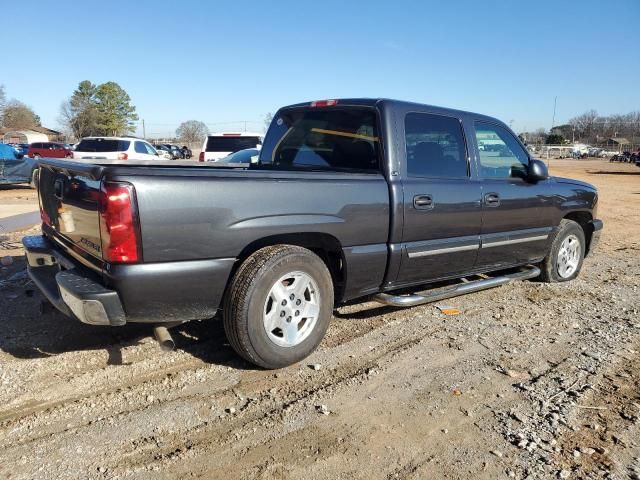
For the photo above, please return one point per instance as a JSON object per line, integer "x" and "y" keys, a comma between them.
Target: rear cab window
{"x": 103, "y": 145}
{"x": 231, "y": 143}
{"x": 326, "y": 139}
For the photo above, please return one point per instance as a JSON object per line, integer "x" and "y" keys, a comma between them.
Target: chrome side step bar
{"x": 447, "y": 292}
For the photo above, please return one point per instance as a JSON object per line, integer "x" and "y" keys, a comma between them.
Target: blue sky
{"x": 227, "y": 61}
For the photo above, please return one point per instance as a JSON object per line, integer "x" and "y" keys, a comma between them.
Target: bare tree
{"x": 585, "y": 124}
{"x": 590, "y": 127}
{"x": 18, "y": 115}
{"x": 79, "y": 116}
{"x": 192, "y": 132}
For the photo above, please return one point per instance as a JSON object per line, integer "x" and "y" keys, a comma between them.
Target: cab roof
{"x": 391, "y": 104}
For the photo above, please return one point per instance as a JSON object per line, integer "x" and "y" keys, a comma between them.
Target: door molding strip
{"x": 426, "y": 253}
{"x": 498, "y": 243}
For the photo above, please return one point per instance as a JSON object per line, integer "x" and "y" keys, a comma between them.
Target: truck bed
{"x": 190, "y": 211}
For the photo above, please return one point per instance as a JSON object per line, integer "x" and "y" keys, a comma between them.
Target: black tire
{"x": 550, "y": 270}
{"x": 246, "y": 297}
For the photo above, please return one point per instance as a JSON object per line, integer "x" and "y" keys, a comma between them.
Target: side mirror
{"x": 537, "y": 171}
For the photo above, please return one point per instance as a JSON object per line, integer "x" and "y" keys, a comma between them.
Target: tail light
{"x": 123, "y": 156}
{"x": 324, "y": 103}
{"x": 201, "y": 157}
{"x": 118, "y": 225}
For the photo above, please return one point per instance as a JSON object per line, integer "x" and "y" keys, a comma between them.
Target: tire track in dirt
{"x": 295, "y": 394}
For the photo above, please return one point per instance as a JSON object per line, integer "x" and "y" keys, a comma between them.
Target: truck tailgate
{"x": 69, "y": 203}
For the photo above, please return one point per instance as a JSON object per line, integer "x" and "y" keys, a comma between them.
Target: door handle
{"x": 423, "y": 202}
{"x": 492, "y": 199}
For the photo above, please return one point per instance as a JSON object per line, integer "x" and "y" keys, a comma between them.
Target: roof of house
{"x": 620, "y": 140}
{"x": 45, "y": 130}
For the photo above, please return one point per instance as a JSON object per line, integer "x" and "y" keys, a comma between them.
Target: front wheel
{"x": 564, "y": 260}
{"x": 278, "y": 306}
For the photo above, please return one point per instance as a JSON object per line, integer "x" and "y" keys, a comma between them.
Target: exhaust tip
{"x": 164, "y": 338}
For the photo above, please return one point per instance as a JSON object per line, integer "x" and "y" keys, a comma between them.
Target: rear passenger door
{"x": 442, "y": 210}
{"x": 516, "y": 214}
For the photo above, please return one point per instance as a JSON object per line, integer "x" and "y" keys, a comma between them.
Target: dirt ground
{"x": 529, "y": 381}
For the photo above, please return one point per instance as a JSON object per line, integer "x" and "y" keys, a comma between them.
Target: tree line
{"x": 106, "y": 110}
{"x": 590, "y": 128}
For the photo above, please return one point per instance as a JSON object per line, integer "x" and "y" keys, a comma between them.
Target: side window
{"x": 140, "y": 148}
{"x": 435, "y": 146}
{"x": 150, "y": 149}
{"x": 499, "y": 151}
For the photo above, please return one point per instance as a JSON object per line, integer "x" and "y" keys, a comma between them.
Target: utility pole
{"x": 144, "y": 131}
{"x": 553, "y": 122}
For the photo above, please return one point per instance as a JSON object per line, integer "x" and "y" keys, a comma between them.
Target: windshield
{"x": 102, "y": 145}
{"x": 243, "y": 156}
{"x": 231, "y": 144}
{"x": 323, "y": 139}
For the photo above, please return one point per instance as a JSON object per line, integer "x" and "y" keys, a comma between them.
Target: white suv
{"x": 114, "y": 148}
{"x": 219, "y": 145}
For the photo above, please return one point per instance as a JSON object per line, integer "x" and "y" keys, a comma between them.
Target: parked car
{"x": 49, "y": 150}
{"x": 24, "y": 148}
{"x": 15, "y": 167}
{"x": 176, "y": 151}
{"x": 18, "y": 148}
{"x": 247, "y": 156}
{"x": 114, "y": 148}
{"x": 595, "y": 152}
{"x": 623, "y": 157}
{"x": 163, "y": 152}
{"x": 219, "y": 145}
{"x": 608, "y": 153}
{"x": 350, "y": 199}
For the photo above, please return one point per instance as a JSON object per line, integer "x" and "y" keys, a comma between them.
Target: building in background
{"x": 30, "y": 135}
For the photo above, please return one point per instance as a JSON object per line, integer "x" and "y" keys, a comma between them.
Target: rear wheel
{"x": 564, "y": 260}
{"x": 278, "y": 306}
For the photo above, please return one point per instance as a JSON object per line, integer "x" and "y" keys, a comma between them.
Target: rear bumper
{"x": 72, "y": 292}
{"x": 597, "y": 226}
{"x": 153, "y": 293}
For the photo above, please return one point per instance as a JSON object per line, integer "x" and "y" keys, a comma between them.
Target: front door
{"x": 442, "y": 210}
{"x": 516, "y": 214}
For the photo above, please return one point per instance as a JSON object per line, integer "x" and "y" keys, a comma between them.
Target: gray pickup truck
{"x": 350, "y": 199}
